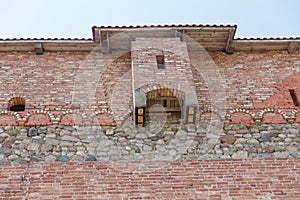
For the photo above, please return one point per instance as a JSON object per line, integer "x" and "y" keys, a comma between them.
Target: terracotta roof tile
{"x": 167, "y": 26}
{"x": 270, "y": 38}
{"x": 47, "y": 39}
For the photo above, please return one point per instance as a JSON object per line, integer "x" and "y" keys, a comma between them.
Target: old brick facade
{"x": 203, "y": 97}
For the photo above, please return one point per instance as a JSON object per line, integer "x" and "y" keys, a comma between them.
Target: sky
{"x": 75, "y": 18}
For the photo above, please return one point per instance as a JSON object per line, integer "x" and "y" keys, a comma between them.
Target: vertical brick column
{"x": 177, "y": 71}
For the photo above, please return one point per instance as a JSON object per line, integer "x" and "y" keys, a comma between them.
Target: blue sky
{"x": 74, "y": 18}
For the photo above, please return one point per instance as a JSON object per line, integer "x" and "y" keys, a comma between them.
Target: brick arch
{"x": 103, "y": 119}
{"x": 18, "y": 95}
{"x": 171, "y": 99}
{"x": 170, "y": 85}
{"x": 272, "y": 117}
{"x": 16, "y": 104}
{"x": 154, "y": 86}
{"x": 239, "y": 116}
{"x": 71, "y": 119}
{"x": 150, "y": 88}
{"x": 38, "y": 119}
{"x": 7, "y": 119}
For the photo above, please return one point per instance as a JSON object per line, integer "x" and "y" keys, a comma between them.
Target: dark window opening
{"x": 160, "y": 59}
{"x": 16, "y": 104}
{"x": 294, "y": 97}
{"x": 170, "y": 99}
{"x": 165, "y": 103}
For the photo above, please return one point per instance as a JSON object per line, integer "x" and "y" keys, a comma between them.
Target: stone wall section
{"x": 79, "y": 143}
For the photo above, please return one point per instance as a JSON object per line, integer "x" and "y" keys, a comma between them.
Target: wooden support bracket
{"x": 104, "y": 42}
{"x": 38, "y": 48}
{"x": 230, "y": 43}
{"x": 292, "y": 47}
{"x": 179, "y": 33}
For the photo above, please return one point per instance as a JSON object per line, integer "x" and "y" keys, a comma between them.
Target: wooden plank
{"x": 69, "y": 46}
{"x": 211, "y": 40}
{"x": 260, "y": 45}
{"x": 170, "y": 109}
{"x": 208, "y": 34}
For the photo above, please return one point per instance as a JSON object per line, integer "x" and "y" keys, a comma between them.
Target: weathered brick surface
{"x": 256, "y": 83}
{"x": 52, "y": 82}
{"x": 253, "y": 77}
{"x": 66, "y": 92}
{"x": 253, "y": 81}
{"x": 219, "y": 179}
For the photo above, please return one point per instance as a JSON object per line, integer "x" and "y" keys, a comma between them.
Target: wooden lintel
{"x": 230, "y": 44}
{"x": 292, "y": 47}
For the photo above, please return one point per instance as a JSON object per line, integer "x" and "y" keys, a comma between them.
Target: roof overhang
{"x": 210, "y": 37}
{"x": 48, "y": 45}
{"x": 291, "y": 45}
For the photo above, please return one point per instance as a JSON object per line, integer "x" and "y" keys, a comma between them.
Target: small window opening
{"x": 160, "y": 59}
{"x": 16, "y": 104}
{"x": 165, "y": 103}
{"x": 294, "y": 97}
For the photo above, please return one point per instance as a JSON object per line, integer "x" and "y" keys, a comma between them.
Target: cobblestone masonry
{"x": 74, "y": 143}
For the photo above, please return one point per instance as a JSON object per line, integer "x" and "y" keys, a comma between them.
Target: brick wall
{"x": 218, "y": 179}
{"x": 51, "y": 83}
{"x": 177, "y": 73}
{"x": 256, "y": 88}
{"x": 255, "y": 84}
{"x": 254, "y": 77}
